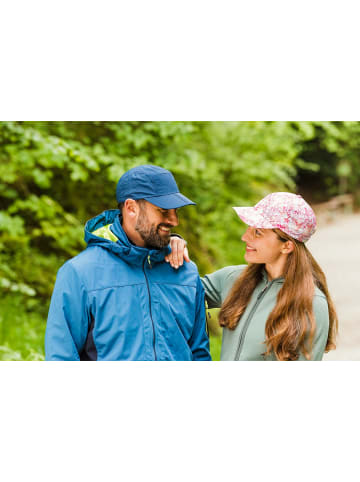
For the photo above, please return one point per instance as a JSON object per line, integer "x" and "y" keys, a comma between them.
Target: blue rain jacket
{"x": 118, "y": 301}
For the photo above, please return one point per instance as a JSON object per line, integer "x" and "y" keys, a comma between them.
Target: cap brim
{"x": 170, "y": 201}
{"x": 252, "y": 218}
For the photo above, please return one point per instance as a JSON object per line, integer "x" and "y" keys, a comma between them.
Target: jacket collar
{"x": 266, "y": 279}
{"x": 123, "y": 248}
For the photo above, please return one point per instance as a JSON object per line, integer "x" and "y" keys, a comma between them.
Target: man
{"x": 119, "y": 299}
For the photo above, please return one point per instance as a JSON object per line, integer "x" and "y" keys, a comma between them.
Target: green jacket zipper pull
{"x": 148, "y": 258}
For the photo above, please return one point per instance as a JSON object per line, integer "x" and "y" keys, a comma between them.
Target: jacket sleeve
{"x": 212, "y": 286}
{"x": 218, "y": 284}
{"x": 199, "y": 341}
{"x": 68, "y": 319}
{"x": 321, "y": 313}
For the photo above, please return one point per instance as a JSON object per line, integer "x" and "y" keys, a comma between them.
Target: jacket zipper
{"x": 148, "y": 288}
{"x": 247, "y": 322}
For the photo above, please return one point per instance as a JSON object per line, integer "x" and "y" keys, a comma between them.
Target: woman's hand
{"x": 179, "y": 252}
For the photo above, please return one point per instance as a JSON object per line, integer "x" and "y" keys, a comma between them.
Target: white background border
{"x": 189, "y": 60}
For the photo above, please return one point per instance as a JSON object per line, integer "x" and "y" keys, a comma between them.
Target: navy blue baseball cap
{"x": 152, "y": 183}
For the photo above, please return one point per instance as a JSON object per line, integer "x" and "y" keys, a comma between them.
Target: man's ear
{"x": 288, "y": 247}
{"x": 131, "y": 208}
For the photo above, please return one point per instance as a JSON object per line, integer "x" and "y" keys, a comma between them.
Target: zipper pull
{"x": 149, "y": 261}
{"x": 264, "y": 289}
{"x": 207, "y": 318}
{"x": 207, "y": 310}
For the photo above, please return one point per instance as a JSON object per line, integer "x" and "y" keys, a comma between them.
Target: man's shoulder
{"x": 80, "y": 259}
{"x": 187, "y": 274}
{"x": 87, "y": 259}
{"x": 92, "y": 254}
{"x": 191, "y": 267}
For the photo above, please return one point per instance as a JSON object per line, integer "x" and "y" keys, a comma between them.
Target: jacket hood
{"x": 123, "y": 248}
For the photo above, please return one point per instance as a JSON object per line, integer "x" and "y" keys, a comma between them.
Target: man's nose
{"x": 172, "y": 217}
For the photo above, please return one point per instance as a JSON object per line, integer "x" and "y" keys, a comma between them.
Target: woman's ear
{"x": 288, "y": 247}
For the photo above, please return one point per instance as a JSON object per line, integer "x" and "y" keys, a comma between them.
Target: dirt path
{"x": 336, "y": 247}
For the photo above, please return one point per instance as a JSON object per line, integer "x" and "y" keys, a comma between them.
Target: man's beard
{"x": 150, "y": 233}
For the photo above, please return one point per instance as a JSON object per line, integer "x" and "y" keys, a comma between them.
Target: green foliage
{"x": 56, "y": 175}
{"x": 21, "y": 328}
{"x": 334, "y": 149}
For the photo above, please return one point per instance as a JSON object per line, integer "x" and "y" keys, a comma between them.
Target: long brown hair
{"x": 291, "y": 325}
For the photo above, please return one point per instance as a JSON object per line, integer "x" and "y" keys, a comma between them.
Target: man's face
{"x": 154, "y": 224}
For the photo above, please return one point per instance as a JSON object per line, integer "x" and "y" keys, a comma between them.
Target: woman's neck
{"x": 276, "y": 270}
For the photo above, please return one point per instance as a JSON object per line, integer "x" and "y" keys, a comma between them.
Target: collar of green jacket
{"x": 267, "y": 280}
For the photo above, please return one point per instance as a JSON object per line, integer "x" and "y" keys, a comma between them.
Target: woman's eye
{"x": 257, "y": 232}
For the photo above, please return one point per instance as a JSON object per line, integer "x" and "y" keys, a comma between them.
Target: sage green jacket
{"x": 246, "y": 342}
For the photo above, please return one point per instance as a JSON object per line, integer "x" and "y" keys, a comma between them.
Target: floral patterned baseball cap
{"x": 282, "y": 210}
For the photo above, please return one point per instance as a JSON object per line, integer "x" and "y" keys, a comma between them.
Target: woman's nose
{"x": 246, "y": 236}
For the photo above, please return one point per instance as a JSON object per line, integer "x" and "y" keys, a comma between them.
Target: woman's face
{"x": 262, "y": 246}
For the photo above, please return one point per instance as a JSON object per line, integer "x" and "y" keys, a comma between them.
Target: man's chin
{"x": 165, "y": 239}
{"x": 160, "y": 243}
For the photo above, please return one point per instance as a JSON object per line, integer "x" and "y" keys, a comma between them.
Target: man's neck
{"x": 133, "y": 236}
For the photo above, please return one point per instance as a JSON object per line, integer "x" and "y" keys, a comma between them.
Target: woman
{"x": 277, "y": 307}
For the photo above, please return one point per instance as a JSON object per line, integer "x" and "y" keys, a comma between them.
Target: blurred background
{"x": 54, "y": 176}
